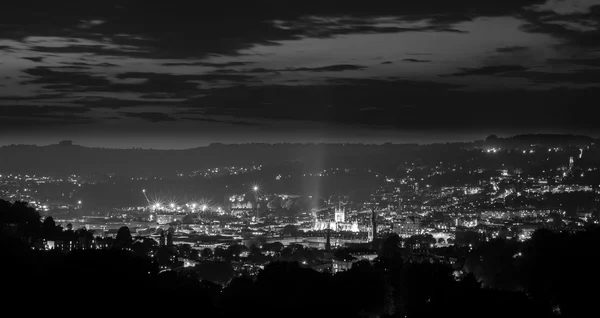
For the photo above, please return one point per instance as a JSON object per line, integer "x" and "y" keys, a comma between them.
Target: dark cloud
{"x": 208, "y": 77}
{"x": 416, "y": 60}
{"x": 92, "y": 64}
{"x": 75, "y": 81}
{"x": 47, "y": 76}
{"x": 178, "y": 29}
{"x": 153, "y": 117}
{"x": 387, "y": 62}
{"x": 562, "y": 27}
{"x": 114, "y": 103}
{"x": 17, "y": 98}
{"x": 208, "y": 64}
{"x": 488, "y": 70}
{"x": 329, "y": 68}
{"x": 324, "y": 28}
{"x": 594, "y": 62}
{"x": 163, "y": 95}
{"x": 71, "y": 67}
{"x": 231, "y": 122}
{"x": 34, "y": 59}
{"x": 587, "y": 76}
{"x": 510, "y": 49}
{"x": 92, "y": 49}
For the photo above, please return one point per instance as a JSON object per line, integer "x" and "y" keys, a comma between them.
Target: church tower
{"x": 340, "y": 214}
{"x": 162, "y": 238}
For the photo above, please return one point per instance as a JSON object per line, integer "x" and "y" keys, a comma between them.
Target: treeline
{"x": 558, "y": 269}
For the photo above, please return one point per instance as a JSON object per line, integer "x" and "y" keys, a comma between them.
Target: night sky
{"x": 179, "y": 74}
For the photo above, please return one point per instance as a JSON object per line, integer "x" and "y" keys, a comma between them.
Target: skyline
{"x": 125, "y": 74}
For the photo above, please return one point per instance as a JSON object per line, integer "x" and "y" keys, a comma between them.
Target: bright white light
{"x": 255, "y": 188}
{"x": 144, "y": 190}
{"x": 79, "y": 202}
{"x": 203, "y": 207}
{"x": 172, "y": 205}
{"x": 193, "y": 205}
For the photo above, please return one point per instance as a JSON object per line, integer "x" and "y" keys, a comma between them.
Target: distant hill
{"x": 67, "y": 158}
{"x": 549, "y": 140}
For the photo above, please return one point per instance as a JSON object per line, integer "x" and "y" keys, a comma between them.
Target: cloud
{"x": 34, "y": 59}
{"x": 114, "y": 103}
{"x": 176, "y": 29}
{"x": 92, "y": 64}
{"x": 16, "y": 98}
{"x": 70, "y": 67}
{"x": 95, "y": 49}
{"x": 576, "y": 30}
{"x": 488, "y": 70}
{"x": 319, "y": 27}
{"x": 153, "y": 117}
{"x": 416, "y": 60}
{"x": 329, "y": 68}
{"x": 208, "y": 64}
{"x": 77, "y": 81}
{"x": 47, "y": 76}
{"x": 166, "y": 77}
{"x": 231, "y": 122}
{"x": 510, "y": 49}
{"x": 587, "y": 76}
{"x": 594, "y": 62}
{"x": 387, "y": 62}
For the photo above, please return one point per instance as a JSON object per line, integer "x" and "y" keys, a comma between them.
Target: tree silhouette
{"x": 123, "y": 238}
{"x": 206, "y": 253}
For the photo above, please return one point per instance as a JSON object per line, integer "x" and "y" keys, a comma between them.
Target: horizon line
{"x": 298, "y": 143}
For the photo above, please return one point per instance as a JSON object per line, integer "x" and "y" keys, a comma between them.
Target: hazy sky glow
{"x": 171, "y": 75}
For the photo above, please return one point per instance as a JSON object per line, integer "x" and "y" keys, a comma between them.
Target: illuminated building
{"x": 339, "y": 223}
{"x": 340, "y": 215}
{"x": 164, "y": 218}
{"x": 340, "y": 265}
{"x": 408, "y": 227}
{"x": 571, "y": 163}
